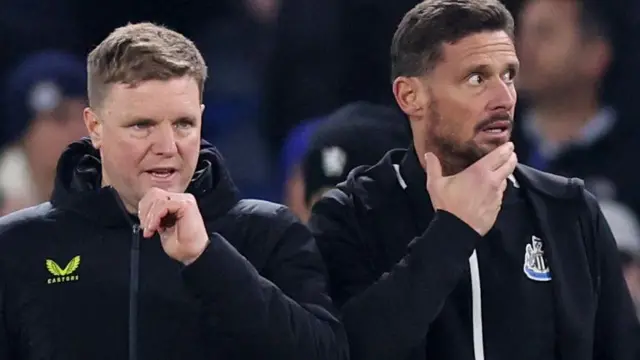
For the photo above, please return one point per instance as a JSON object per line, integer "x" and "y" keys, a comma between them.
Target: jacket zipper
{"x": 476, "y": 290}
{"x": 134, "y": 278}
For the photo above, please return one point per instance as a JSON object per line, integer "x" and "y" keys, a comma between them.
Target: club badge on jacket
{"x": 535, "y": 264}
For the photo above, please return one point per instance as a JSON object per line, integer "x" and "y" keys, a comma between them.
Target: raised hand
{"x": 475, "y": 194}
{"x": 177, "y": 219}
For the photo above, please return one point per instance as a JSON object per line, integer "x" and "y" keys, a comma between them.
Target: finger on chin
{"x": 147, "y": 232}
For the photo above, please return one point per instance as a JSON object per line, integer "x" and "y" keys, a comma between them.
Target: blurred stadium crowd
{"x": 299, "y": 93}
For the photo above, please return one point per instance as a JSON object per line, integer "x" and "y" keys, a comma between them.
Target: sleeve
{"x": 288, "y": 315}
{"x": 6, "y": 344}
{"x": 617, "y": 329}
{"x": 387, "y": 316}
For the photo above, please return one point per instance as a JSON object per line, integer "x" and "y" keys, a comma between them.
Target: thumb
{"x": 433, "y": 166}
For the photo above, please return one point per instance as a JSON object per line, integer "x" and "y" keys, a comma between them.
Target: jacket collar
{"x": 557, "y": 206}
{"x": 77, "y": 186}
{"x": 412, "y": 177}
{"x": 415, "y": 183}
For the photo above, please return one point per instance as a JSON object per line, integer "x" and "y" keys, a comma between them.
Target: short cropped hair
{"x": 417, "y": 43}
{"x": 135, "y": 53}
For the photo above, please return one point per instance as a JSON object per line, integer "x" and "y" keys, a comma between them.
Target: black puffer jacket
{"x": 78, "y": 281}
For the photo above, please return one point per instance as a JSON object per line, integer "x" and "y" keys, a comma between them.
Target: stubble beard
{"x": 454, "y": 155}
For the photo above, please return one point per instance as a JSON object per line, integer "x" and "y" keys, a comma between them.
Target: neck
{"x": 131, "y": 209}
{"x": 449, "y": 165}
{"x": 420, "y": 151}
{"x": 561, "y": 120}
{"x": 128, "y": 205}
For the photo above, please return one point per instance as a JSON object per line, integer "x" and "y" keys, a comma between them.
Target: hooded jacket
{"x": 78, "y": 281}
{"x": 397, "y": 269}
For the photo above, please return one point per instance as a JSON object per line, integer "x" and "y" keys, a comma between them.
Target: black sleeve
{"x": 288, "y": 316}
{"x": 4, "y": 341}
{"x": 386, "y": 317}
{"x": 8, "y": 345}
{"x": 617, "y": 334}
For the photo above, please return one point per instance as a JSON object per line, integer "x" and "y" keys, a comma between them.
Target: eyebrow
{"x": 145, "y": 120}
{"x": 139, "y": 120}
{"x": 487, "y": 69}
{"x": 189, "y": 119}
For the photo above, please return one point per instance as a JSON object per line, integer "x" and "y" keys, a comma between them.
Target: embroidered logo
{"x": 535, "y": 264}
{"x": 334, "y": 160}
{"x": 60, "y": 274}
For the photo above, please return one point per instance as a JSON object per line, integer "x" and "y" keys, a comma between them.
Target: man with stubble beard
{"x": 451, "y": 249}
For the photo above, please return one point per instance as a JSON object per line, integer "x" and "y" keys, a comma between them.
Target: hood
{"x": 79, "y": 175}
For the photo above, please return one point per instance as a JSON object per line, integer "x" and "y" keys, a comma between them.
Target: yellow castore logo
{"x": 63, "y": 275}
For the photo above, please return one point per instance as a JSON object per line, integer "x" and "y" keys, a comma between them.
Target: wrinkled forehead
{"x": 493, "y": 50}
{"x": 154, "y": 99}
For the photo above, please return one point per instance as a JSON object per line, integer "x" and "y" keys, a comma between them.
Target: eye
{"x": 475, "y": 79}
{"x": 508, "y": 76}
{"x": 183, "y": 124}
{"x": 143, "y": 125}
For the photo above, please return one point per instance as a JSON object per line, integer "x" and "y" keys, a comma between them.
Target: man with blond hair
{"x": 145, "y": 250}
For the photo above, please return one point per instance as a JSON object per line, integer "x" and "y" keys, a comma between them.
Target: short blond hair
{"x": 139, "y": 52}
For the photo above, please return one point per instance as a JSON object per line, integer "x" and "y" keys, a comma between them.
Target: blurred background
{"x": 281, "y": 70}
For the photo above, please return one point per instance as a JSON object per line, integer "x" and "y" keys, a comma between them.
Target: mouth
{"x": 161, "y": 173}
{"x": 496, "y": 127}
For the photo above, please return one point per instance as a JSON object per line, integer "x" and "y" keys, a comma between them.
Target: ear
{"x": 94, "y": 127}
{"x": 599, "y": 57}
{"x": 411, "y": 96}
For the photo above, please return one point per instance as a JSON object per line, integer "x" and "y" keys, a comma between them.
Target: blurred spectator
{"x": 626, "y": 229}
{"x": 356, "y": 134}
{"x": 264, "y": 11}
{"x": 569, "y": 124}
{"x": 329, "y": 53}
{"x": 320, "y": 152}
{"x": 32, "y": 25}
{"x": 293, "y": 151}
{"x": 44, "y": 98}
{"x": 239, "y": 45}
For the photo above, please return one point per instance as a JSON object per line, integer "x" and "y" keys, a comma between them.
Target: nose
{"x": 164, "y": 142}
{"x": 503, "y": 96}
